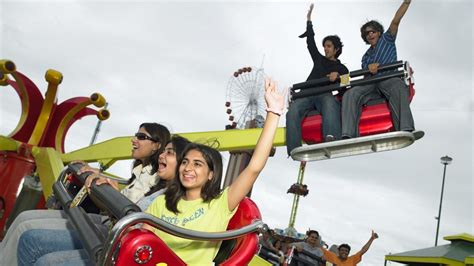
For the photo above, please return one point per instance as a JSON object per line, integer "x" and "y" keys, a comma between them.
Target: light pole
{"x": 444, "y": 160}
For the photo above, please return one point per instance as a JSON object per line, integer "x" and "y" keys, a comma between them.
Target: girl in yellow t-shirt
{"x": 195, "y": 201}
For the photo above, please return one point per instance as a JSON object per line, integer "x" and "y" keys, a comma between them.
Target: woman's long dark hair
{"x": 211, "y": 190}
{"x": 161, "y": 135}
{"x": 179, "y": 143}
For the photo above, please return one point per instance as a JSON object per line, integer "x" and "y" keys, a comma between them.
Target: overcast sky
{"x": 171, "y": 63}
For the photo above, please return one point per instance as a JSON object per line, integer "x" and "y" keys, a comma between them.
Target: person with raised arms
{"x": 195, "y": 201}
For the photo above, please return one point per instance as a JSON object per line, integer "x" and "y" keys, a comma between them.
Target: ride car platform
{"x": 356, "y": 146}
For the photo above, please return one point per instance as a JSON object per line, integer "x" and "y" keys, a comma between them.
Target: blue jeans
{"x": 396, "y": 92}
{"x": 36, "y": 243}
{"x": 329, "y": 108}
{"x": 27, "y": 220}
{"x": 77, "y": 257}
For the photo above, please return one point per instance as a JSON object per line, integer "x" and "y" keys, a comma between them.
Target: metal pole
{"x": 444, "y": 160}
{"x": 296, "y": 198}
{"x": 440, "y": 205}
{"x": 97, "y": 128}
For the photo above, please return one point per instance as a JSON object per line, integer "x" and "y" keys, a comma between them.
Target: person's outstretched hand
{"x": 310, "y": 10}
{"x": 374, "y": 235}
{"x": 275, "y": 99}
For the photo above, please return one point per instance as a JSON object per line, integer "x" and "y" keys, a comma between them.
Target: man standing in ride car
{"x": 382, "y": 51}
{"x": 330, "y": 109}
{"x": 343, "y": 259}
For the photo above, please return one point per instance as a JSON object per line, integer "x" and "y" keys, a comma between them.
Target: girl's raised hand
{"x": 274, "y": 98}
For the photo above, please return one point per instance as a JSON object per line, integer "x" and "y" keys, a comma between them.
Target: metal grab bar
{"x": 292, "y": 254}
{"x": 107, "y": 197}
{"x": 88, "y": 233}
{"x": 104, "y": 196}
{"x": 385, "y": 67}
{"x": 325, "y": 80}
{"x": 91, "y": 238}
{"x": 320, "y": 90}
{"x": 135, "y": 218}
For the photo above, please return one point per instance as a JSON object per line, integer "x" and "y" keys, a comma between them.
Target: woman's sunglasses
{"x": 143, "y": 136}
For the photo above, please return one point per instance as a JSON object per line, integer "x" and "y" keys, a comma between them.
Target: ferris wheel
{"x": 245, "y": 100}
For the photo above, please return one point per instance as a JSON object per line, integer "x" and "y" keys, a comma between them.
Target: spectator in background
{"x": 312, "y": 245}
{"x": 268, "y": 251}
{"x": 343, "y": 258}
{"x": 281, "y": 249}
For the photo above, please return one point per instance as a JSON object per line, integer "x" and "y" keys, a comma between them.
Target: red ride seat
{"x": 375, "y": 119}
{"x": 241, "y": 250}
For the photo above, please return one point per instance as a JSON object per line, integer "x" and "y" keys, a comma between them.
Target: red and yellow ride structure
{"x": 43, "y": 124}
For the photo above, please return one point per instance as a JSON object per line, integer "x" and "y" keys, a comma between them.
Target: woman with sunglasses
{"x": 147, "y": 145}
{"x": 195, "y": 201}
{"x": 63, "y": 247}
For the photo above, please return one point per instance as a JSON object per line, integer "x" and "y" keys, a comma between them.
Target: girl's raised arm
{"x": 244, "y": 182}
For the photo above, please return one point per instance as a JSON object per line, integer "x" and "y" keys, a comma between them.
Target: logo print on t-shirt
{"x": 175, "y": 220}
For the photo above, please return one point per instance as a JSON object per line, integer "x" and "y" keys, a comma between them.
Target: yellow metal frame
{"x": 469, "y": 261}
{"x": 437, "y": 260}
{"x": 48, "y": 166}
{"x": 110, "y": 151}
{"x": 464, "y": 236}
{"x": 258, "y": 261}
{"x": 53, "y": 78}
{"x": 4, "y": 79}
{"x": 50, "y": 162}
{"x": 8, "y": 144}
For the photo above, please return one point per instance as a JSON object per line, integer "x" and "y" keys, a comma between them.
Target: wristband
{"x": 277, "y": 112}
